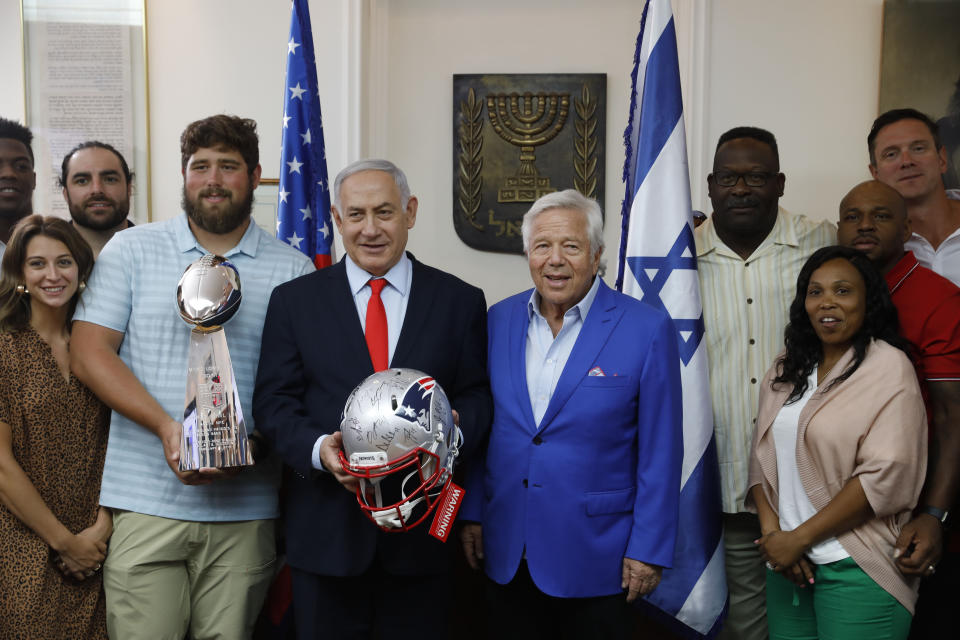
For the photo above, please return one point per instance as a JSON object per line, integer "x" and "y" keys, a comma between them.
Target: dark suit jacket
{"x": 313, "y": 355}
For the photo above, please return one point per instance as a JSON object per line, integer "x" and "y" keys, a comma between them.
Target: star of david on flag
{"x": 303, "y": 204}
{"x": 657, "y": 265}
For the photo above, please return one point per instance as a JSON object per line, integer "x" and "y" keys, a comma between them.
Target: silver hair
{"x": 373, "y": 164}
{"x": 567, "y": 199}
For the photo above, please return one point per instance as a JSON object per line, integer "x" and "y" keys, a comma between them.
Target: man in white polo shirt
{"x": 191, "y": 551}
{"x": 906, "y": 153}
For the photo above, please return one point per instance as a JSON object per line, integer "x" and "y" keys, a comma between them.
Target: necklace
{"x": 822, "y": 372}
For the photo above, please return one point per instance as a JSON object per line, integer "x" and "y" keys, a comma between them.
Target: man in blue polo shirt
{"x": 190, "y": 551}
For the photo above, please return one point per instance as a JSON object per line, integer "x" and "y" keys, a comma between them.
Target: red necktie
{"x": 376, "y": 326}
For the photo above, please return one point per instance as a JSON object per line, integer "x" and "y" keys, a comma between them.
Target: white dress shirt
{"x": 945, "y": 259}
{"x": 394, "y": 296}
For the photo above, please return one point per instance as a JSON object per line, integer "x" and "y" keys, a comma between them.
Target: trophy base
{"x": 214, "y": 433}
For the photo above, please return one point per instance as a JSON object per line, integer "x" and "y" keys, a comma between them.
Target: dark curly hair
{"x": 16, "y": 131}
{"x": 804, "y": 349}
{"x": 93, "y": 144}
{"x": 222, "y": 131}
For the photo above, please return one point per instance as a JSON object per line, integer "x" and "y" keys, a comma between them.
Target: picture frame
{"x": 86, "y": 78}
{"x": 265, "y": 204}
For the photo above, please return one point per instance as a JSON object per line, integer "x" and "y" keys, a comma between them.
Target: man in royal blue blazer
{"x": 349, "y": 577}
{"x": 577, "y": 500}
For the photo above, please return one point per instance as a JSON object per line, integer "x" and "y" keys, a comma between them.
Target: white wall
{"x": 500, "y": 36}
{"x": 229, "y": 56}
{"x": 11, "y": 55}
{"x": 808, "y": 71}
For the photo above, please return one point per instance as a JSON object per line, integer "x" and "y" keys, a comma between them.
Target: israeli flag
{"x": 657, "y": 265}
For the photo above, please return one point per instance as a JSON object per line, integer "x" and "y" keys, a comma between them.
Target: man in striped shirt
{"x": 749, "y": 253}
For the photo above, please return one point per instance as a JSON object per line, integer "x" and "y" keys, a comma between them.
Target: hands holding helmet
{"x": 400, "y": 442}
{"x": 330, "y": 450}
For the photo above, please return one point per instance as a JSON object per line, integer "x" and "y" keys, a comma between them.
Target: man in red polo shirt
{"x": 873, "y": 219}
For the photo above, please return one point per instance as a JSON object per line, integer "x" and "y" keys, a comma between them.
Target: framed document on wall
{"x": 85, "y": 72}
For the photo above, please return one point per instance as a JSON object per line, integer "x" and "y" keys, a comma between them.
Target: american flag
{"x": 303, "y": 222}
{"x": 303, "y": 206}
{"x": 658, "y": 266}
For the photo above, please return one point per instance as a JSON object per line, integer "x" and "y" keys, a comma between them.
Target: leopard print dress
{"x": 59, "y": 438}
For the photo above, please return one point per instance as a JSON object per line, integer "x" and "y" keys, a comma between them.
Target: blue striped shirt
{"x": 133, "y": 290}
{"x": 547, "y": 355}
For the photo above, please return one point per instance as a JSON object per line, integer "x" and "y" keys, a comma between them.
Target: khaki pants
{"x": 746, "y": 579}
{"x": 163, "y": 577}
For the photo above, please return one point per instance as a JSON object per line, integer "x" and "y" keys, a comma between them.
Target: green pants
{"x": 844, "y": 603}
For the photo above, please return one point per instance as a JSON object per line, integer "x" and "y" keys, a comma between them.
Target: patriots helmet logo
{"x": 415, "y": 405}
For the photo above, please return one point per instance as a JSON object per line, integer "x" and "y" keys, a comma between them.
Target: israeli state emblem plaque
{"x": 518, "y": 137}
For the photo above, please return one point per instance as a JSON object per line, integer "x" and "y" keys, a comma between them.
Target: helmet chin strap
{"x": 454, "y": 449}
{"x": 388, "y": 518}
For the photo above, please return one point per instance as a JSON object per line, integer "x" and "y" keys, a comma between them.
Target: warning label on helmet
{"x": 446, "y": 512}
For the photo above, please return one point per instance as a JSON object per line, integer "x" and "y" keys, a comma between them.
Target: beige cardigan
{"x": 872, "y": 425}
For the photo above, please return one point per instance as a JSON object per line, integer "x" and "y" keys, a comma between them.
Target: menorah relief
{"x": 527, "y": 121}
{"x": 556, "y": 122}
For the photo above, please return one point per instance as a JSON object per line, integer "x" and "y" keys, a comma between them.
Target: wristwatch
{"x": 939, "y": 514}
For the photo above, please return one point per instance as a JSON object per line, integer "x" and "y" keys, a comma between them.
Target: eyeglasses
{"x": 751, "y": 178}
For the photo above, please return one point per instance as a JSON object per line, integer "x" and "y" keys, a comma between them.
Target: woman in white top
{"x": 839, "y": 457}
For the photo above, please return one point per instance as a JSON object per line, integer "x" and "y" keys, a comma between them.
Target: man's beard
{"x": 81, "y": 217}
{"x": 225, "y": 219}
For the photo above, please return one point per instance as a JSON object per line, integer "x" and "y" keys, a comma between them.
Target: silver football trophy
{"x": 214, "y": 434}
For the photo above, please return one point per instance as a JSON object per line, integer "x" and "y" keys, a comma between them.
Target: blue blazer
{"x": 599, "y": 478}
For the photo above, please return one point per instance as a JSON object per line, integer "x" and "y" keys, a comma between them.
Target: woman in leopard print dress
{"x": 53, "y": 436}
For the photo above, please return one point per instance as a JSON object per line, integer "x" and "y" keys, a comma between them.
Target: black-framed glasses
{"x": 750, "y": 178}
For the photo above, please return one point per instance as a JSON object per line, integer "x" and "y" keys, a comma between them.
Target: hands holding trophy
{"x": 214, "y": 434}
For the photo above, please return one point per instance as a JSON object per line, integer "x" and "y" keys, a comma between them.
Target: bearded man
{"x": 97, "y": 184}
{"x": 191, "y": 551}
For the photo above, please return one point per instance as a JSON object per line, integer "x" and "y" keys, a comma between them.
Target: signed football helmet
{"x": 399, "y": 439}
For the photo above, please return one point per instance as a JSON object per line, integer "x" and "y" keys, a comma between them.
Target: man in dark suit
{"x": 575, "y": 511}
{"x": 323, "y": 335}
